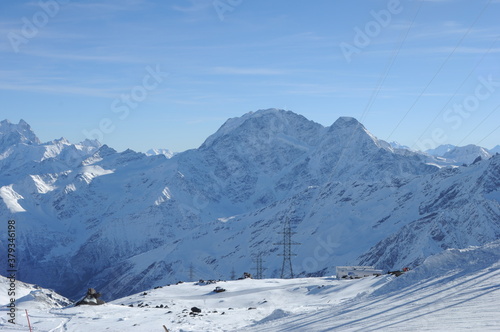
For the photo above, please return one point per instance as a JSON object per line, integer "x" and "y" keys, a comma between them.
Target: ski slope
{"x": 457, "y": 290}
{"x": 442, "y": 304}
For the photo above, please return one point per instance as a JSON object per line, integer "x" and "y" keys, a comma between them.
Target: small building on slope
{"x": 356, "y": 272}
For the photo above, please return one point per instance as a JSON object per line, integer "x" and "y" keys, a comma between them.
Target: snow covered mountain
{"x": 496, "y": 149}
{"x": 397, "y": 145}
{"x": 441, "y": 150}
{"x": 459, "y": 155}
{"x": 467, "y": 154}
{"x": 154, "y": 152}
{"x": 89, "y": 216}
{"x": 12, "y": 134}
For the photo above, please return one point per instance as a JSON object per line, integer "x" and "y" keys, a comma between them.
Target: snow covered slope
{"x": 88, "y": 216}
{"x": 456, "y": 290}
{"x": 29, "y": 296}
{"x": 441, "y": 150}
{"x": 467, "y": 154}
{"x": 459, "y": 155}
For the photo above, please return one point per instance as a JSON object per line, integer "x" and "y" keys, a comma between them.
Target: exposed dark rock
{"x": 92, "y": 298}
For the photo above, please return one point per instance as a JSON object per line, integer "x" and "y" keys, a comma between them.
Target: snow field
{"x": 245, "y": 303}
{"x": 453, "y": 301}
{"x": 457, "y": 290}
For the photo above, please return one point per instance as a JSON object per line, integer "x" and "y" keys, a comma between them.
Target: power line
{"x": 456, "y": 91}
{"x": 480, "y": 123}
{"x": 485, "y": 137}
{"x": 439, "y": 70}
{"x": 385, "y": 73}
{"x": 381, "y": 81}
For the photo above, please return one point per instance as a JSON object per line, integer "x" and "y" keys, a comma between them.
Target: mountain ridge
{"x": 124, "y": 221}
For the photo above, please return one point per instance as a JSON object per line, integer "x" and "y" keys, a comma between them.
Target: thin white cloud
{"x": 84, "y": 57}
{"x": 60, "y": 90}
{"x": 469, "y": 50}
{"x": 449, "y": 49}
{"x": 106, "y": 6}
{"x": 194, "y": 6}
{"x": 437, "y": 50}
{"x": 247, "y": 71}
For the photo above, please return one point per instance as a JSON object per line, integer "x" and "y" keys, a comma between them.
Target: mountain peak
{"x": 265, "y": 121}
{"x": 11, "y": 134}
{"x": 346, "y": 120}
{"x": 23, "y": 124}
{"x": 4, "y": 123}
{"x": 348, "y": 132}
{"x": 91, "y": 143}
{"x": 348, "y": 123}
{"x": 155, "y": 152}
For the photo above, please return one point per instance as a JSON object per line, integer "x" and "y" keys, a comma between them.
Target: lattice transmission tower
{"x": 259, "y": 267}
{"x": 191, "y": 272}
{"x": 287, "y": 243}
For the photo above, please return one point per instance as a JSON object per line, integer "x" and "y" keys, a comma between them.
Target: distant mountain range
{"x": 154, "y": 152}
{"x": 88, "y": 216}
{"x": 463, "y": 154}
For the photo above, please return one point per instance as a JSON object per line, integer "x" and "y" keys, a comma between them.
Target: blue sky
{"x": 146, "y": 74}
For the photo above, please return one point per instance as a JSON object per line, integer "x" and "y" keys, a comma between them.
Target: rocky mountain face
{"x": 88, "y": 216}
